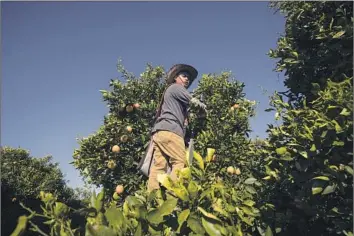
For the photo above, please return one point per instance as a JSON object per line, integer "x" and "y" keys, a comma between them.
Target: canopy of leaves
{"x": 224, "y": 127}
{"x": 308, "y": 159}
{"x": 317, "y": 45}
{"x": 26, "y": 176}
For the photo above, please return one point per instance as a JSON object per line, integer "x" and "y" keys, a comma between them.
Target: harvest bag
{"x": 147, "y": 157}
{"x": 146, "y": 160}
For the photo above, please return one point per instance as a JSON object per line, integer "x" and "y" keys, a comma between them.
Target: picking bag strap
{"x": 158, "y": 113}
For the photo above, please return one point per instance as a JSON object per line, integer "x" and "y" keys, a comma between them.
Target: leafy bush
{"x": 22, "y": 179}
{"x": 194, "y": 205}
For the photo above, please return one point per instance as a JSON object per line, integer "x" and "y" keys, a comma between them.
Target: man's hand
{"x": 198, "y": 103}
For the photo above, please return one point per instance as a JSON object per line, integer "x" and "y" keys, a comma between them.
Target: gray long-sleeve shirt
{"x": 174, "y": 110}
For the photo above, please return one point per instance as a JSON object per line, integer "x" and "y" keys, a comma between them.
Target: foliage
{"x": 194, "y": 205}
{"x": 22, "y": 179}
{"x": 99, "y": 164}
{"x": 26, "y": 175}
{"x": 317, "y": 45}
{"x": 308, "y": 161}
{"x": 307, "y": 168}
{"x": 95, "y": 158}
{"x": 226, "y": 126}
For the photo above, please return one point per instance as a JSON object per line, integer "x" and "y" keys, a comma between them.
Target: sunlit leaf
{"x": 250, "y": 181}
{"x": 316, "y": 190}
{"x": 322, "y": 178}
{"x": 338, "y": 34}
{"x": 329, "y": 189}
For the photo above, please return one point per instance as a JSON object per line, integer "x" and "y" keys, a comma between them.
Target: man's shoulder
{"x": 176, "y": 87}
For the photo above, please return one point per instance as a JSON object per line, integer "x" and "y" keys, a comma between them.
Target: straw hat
{"x": 178, "y": 68}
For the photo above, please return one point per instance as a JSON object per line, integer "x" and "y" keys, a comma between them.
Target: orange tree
{"x": 109, "y": 156}
{"x": 308, "y": 159}
{"x": 22, "y": 179}
{"x": 193, "y": 205}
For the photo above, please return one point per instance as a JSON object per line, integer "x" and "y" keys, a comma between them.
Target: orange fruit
{"x": 136, "y": 105}
{"x": 129, "y": 129}
{"x": 119, "y": 189}
{"x": 116, "y": 149}
{"x": 236, "y": 106}
{"x": 230, "y": 170}
{"x": 237, "y": 171}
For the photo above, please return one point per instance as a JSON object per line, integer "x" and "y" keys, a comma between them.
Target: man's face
{"x": 183, "y": 79}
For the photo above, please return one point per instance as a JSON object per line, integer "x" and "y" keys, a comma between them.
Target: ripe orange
{"x": 136, "y": 105}
{"x": 129, "y": 129}
{"x": 236, "y": 106}
{"x": 237, "y": 171}
{"x": 230, "y": 170}
{"x": 116, "y": 149}
{"x": 119, "y": 189}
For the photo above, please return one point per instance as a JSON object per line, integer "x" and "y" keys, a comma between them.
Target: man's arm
{"x": 182, "y": 94}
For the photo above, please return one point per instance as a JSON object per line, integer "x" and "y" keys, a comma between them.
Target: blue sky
{"x": 56, "y": 56}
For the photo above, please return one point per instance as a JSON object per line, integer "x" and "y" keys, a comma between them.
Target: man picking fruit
{"x": 169, "y": 131}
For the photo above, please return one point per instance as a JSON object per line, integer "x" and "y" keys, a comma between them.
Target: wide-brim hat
{"x": 178, "y": 68}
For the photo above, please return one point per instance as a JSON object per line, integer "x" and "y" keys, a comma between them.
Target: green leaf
{"x": 316, "y": 190}
{"x": 322, "y": 178}
{"x": 324, "y": 133}
{"x": 337, "y": 126}
{"x": 205, "y": 193}
{"x": 192, "y": 189}
{"x": 93, "y": 198}
{"x": 345, "y": 112}
{"x": 21, "y": 226}
{"x": 199, "y": 159}
{"x": 165, "y": 180}
{"x": 281, "y": 150}
{"x": 338, "y": 143}
{"x": 60, "y": 209}
{"x": 339, "y": 34}
{"x": 195, "y": 225}
{"x": 313, "y": 148}
{"x": 269, "y": 109}
{"x": 277, "y": 116}
{"x": 114, "y": 217}
{"x": 248, "y": 210}
{"x": 304, "y": 154}
{"x": 295, "y": 54}
{"x": 329, "y": 189}
{"x": 182, "y": 217}
{"x": 100, "y": 230}
{"x": 210, "y": 153}
{"x": 139, "y": 230}
{"x": 268, "y": 232}
{"x": 209, "y": 215}
{"x": 249, "y": 202}
{"x": 250, "y": 189}
{"x": 348, "y": 169}
{"x": 250, "y": 181}
{"x": 210, "y": 227}
{"x": 182, "y": 193}
{"x": 154, "y": 216}
{"x": 168, "y": 206}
